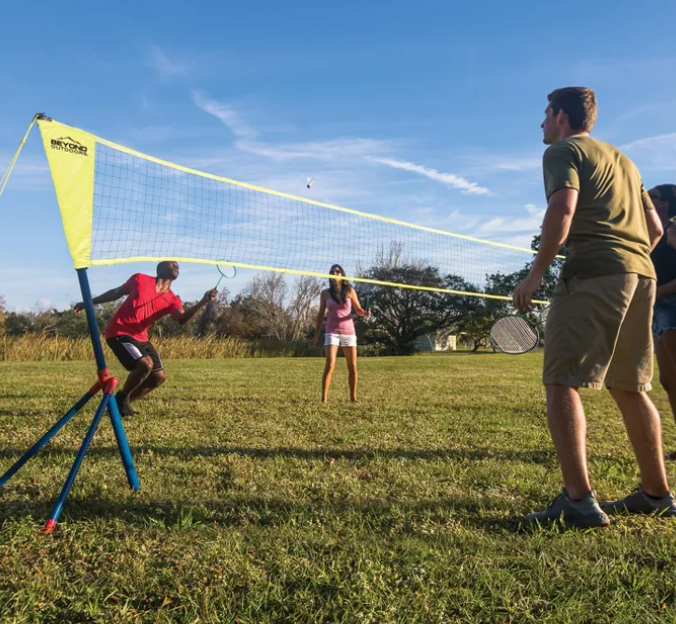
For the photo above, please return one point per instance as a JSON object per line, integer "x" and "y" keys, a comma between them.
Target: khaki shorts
{"x": 599, "y": 331}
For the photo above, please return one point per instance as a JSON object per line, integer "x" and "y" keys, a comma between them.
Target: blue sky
{"x": 423, "y": 111}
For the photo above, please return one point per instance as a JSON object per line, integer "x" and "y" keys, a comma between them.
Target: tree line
{"x": 271, "y": 308}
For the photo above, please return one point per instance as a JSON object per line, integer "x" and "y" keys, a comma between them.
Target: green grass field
{"x": 259, "y": 504}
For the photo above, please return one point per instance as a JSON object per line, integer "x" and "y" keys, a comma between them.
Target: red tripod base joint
{"x": 106, "y": 382}
{"x": 110, "y": 385}
{"x": 49, "y": 527}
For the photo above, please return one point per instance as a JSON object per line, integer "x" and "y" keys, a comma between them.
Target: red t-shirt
{"x": 141, "y": 308}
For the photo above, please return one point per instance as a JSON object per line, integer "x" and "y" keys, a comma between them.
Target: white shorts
{"x": 340, "y": 340}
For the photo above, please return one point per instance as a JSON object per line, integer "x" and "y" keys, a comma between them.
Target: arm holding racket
{"x": 183, "y": 316}
{"x": 555, "y": 228}
{"x": 320, "y": 320}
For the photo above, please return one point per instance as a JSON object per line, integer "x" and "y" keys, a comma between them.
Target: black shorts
{"x": 128, "y": 350}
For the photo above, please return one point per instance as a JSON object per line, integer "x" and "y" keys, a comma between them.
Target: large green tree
{"x": 399, "y": 316}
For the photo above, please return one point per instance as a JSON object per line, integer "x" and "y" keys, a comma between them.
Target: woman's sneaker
{"x": 583, "y": 513}
{"x": 638, "y": 502}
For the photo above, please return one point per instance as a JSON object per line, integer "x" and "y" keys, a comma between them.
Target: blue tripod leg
{"x": 122, "y": 444}
{"x": 56, "y": 512}
{"x": 46, "y": 438}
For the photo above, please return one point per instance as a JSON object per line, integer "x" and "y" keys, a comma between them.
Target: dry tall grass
{"x": 40, "y": 348}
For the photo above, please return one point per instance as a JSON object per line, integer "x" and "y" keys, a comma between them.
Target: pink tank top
{"x": 339, "y": 319}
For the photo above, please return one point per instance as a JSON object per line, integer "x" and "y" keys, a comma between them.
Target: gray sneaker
{"x": 584, "y": 513}
{"x": 638, "y": 502}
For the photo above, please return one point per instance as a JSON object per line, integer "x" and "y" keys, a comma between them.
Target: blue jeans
{"x": 664, "y": 315}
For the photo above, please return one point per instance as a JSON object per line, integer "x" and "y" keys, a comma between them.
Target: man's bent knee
{"x": 158, "y": 378}
{"x": 145, "y": 364}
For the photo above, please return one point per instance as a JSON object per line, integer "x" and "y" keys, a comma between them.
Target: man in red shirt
{"x": 148, "y": 300}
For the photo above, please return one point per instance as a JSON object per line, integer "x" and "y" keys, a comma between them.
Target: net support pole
{"x": 104, "y": 375}
{"x": 105, "y": 382}
{"x": 123, "y": 445}
{"x": 91, "y": 320}
{"x": 108, "y": 384}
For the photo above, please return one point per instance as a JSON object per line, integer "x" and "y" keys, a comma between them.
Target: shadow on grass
{"x": 380, "y": 517}
{"x": 543, "y": 457}
{"x": 489, "y": 514}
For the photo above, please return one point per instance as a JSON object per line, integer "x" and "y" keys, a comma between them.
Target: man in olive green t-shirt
{"x": 598, "y": 328}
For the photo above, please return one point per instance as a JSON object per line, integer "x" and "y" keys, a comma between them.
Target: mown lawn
{"x": 259, "y": 504}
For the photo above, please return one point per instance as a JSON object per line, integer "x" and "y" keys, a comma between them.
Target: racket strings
{"x": 514, "y": 335}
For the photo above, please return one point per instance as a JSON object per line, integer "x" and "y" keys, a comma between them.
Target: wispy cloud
{"x": 335, "y": 149}
{"x": 654, "y": 141}
{"x": 608, "y": 69}
{"x": 646, "y": 108}
{"x": 501, "y": 225}
{"x": 517, "y": 231}
{"x": 28, "y": 173}
{"x": 656, "y": 152}
{"x": 226, "y": 114}
{"x": 491, "y": 163}
{"x": 517, "y": 164}
{"x": 450, "y": 179}
{"x": 331, "y": 150}
{"x": 534, "y": 211}
{"x": 166, "y": 67}
{"x": 30, "y": 169}
{"x": 345, "y": 152}
{"x": 151, "y": 134}
{"x": 424, "y": 211}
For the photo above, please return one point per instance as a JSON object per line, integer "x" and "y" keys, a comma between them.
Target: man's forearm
{"x": 190, "y": 312}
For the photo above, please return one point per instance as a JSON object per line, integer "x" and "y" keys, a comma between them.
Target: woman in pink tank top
{"x": 339, "y": 299}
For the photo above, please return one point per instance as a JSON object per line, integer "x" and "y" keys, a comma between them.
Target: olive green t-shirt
{"x": 609, "y": 232}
